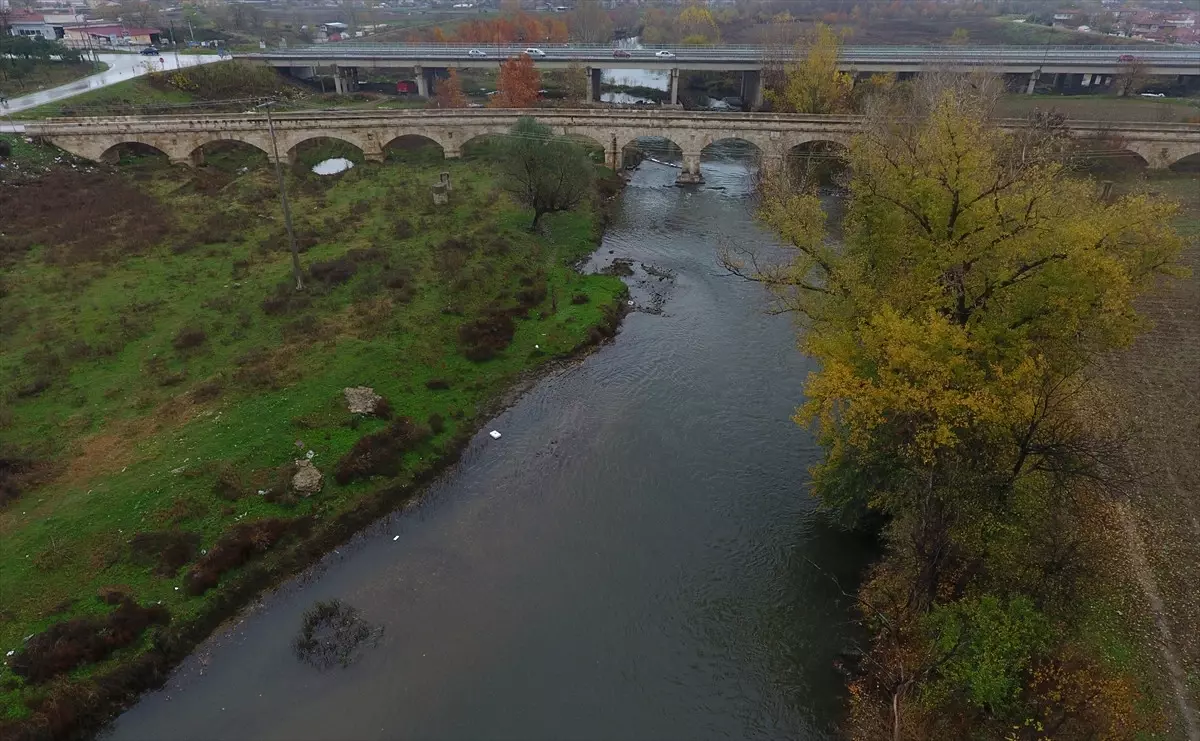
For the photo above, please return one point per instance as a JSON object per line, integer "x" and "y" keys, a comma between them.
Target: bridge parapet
{"x": 181, "y": 137}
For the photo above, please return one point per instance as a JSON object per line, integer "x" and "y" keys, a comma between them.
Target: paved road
{"x": 121, "y": 67}
{"x": 1164, "y": 60}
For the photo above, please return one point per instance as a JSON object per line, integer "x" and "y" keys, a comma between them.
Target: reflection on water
{"x": 636, "y": 558}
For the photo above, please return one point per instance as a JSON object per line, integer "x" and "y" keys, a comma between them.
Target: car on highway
{"x": 1126, "y": 58}
{"x": 533, "y": 51}
{"x": 664, "y": 54}
{"x": 621, "y": 54}
{"x": 477, "y": 53}
{"x": 149, "y": 51}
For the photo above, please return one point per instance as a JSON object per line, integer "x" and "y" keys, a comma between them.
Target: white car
{"x": 535, "y": 52}
{"x": 476, "y": 53}
{"x": 664, "y": 54}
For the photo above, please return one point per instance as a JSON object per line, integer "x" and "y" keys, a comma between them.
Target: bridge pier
{"x": 752, "y": 89}
{"x": 345, "y": 79}
{"x": 194, "y": 159}
{"x": 674, "y": 75}
{"x": 1033, "y": 81}
{"x": 690, "y": 174}
{"x": 426, "y": 80}
{"x": 614, "y": 157}
{"x": 593, "y": 74}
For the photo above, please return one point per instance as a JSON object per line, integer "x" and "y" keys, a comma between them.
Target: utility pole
{"x": 175, "y": 44}
{"x": 297, "y": 273}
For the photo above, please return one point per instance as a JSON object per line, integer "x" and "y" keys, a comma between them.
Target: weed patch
{"x": 234, "y": 548}
{"x": 381, "y": 453}
{"x": 72, "y": 643}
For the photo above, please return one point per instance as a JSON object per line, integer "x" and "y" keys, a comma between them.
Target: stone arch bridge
{"x": 774, "y": 135}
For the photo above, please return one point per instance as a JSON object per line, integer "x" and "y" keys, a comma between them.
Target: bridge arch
{"x": 409, "y": 141}
{"x": 292, "y": 144}
{"x": 1187, "y": 163}
{"x": 142, "y": 146}
{"x": 213, "y": 147}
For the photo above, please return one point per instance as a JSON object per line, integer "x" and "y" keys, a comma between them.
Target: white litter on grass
{"x": 309, "y": 455}
{"x": 10, "y": 653}
{"x": 333, "y": 166}
{"x": 395, "y": 538}
{"x": 495, "y": 435}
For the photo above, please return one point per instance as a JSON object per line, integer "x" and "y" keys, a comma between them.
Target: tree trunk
{"x": 537, "y": 217}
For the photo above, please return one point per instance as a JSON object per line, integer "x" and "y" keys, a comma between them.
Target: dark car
{"x": 1127, "y": 58}
{"x": 621, "y": 54}
{"x": 149, "y": 51}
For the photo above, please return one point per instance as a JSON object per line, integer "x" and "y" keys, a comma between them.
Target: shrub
{"x": 71, "y": 643}
{"x": 333, "y": 272}
{"x": 436, "y": 423}
{"x": 235, "y": 548}
{"x": 229, "y": 484}
{"x": 484, "y": 337}
{"x": 580, "y": 298}
{"x": 437, "y": 384}
{"x": 332, "y": 634}
{"x": 189, "y": 337}
{"x": 166, "y": 551}
{"x": 380, "y": 453}
{"x": 285, "y": 299}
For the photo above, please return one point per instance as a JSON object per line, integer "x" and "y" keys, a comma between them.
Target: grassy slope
{"x": 135, "y": 451}
{"x": 1104, "y": 107}
{"x": 123, "y": 97}
{"x": 48, "y": 75}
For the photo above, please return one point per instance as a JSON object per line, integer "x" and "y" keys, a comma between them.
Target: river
{"x": 637, "y": 557}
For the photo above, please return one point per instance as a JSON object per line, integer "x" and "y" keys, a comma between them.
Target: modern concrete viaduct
{"x": 775, "y": 135}
{"x": 1086, "y": 65}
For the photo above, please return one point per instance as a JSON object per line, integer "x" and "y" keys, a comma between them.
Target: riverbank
{"x": 162, "y": 376}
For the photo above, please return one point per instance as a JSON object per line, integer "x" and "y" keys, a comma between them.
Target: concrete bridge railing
{"x": 775, "y": 135}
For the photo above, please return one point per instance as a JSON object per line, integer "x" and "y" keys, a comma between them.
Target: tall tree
{"x": 590, "y": 24}
{"x": 518, "y": 84}
{"x": 976, "y": 278}
{"x": 812, "y": 83}
{"x": 450, "y": 93}
{"x": 544, "y": 172}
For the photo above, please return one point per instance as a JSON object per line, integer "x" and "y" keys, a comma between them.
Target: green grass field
{"x": 47, "y": 75}
{"x": 153, "y": 351}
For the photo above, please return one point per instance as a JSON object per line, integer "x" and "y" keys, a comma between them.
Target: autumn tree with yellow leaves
{"x": 975, "y": 280}
{"x": 810, "y": 82}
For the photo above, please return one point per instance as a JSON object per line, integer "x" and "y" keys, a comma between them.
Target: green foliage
{"x": 977, "y": 277}
{"x": 546, "y": 173}
{"x": 138, "y": 431}
{"x": 225, "y": 80}
{"x": 984, "y": 647}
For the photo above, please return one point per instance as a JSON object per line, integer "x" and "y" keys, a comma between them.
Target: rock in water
{"x": 307, "y": 479}
{"x": 361, "y": 399}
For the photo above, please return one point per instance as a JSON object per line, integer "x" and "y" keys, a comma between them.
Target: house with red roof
{"x": 100, "y": 35}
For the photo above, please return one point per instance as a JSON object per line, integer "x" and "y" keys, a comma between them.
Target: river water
{"x": 636, "y": 558}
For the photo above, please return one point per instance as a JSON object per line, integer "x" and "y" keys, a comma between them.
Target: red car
{"x": 621, "y": 54}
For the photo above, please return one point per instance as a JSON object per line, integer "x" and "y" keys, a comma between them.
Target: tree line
{"x": 977, "y": 279}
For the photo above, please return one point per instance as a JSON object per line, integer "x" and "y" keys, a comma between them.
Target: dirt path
{"x": 1153, "y": 397}
{"x": 1145, "y": 578}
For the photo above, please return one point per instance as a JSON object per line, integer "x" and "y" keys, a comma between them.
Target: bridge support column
{"x": 345, "y": 79}
{"x": 752, "y": 89}
{"x": 1033, "y": 81}
{"x": 690, "y": 174}
{"x": 593, "y": 74}
{"x": 422, "y": 82}
{"x": 613, "y": 156}
{"x": 674, "y": 86}
{"x": 194, "y": 159}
